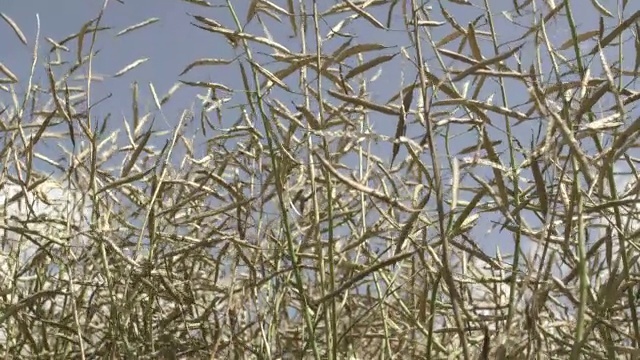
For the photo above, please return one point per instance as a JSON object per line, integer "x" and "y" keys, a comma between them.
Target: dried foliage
{"x": 338, "y": 201}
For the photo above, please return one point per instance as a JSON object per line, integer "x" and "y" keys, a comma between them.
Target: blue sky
{"x": 172, "y": 43}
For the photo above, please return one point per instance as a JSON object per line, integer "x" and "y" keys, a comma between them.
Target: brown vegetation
{"x": 322, "y": 210}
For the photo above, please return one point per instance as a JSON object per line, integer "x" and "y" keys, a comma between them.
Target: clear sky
{"x": 172, "y": 43}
